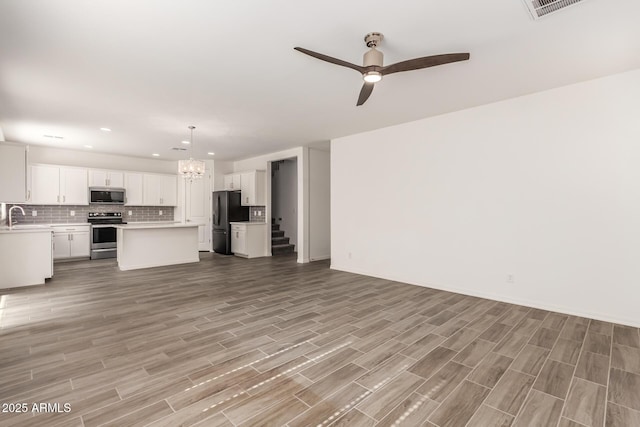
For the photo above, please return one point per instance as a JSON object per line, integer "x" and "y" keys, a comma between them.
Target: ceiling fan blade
{"x": 331, "y": 59}
{"x": 365, "y": 92}
{"x": 424, "y": 62}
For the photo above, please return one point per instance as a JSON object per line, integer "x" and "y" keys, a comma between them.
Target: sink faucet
{"x": 11, "y": 211}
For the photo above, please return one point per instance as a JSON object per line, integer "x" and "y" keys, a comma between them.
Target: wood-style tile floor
{"x": 269, "y": 342}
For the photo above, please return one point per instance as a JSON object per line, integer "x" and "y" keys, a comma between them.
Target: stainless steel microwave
{"x": 105, "y": 195}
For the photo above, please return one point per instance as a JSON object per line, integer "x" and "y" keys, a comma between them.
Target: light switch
{"x": 34, "y": 213}
{"x": 160, "y": 213}
{"x": 130, "y": 213}
{"x": 72, "y": 213}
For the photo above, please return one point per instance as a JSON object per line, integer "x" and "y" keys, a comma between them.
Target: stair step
{"x": 282, "y": 249}
{"x": 277, "y": 233}
{"x": 275, "y": 226}
{"x": 279, "y": 241}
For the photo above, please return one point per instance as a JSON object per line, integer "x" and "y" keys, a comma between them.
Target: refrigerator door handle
{"x": 216, "y": 215}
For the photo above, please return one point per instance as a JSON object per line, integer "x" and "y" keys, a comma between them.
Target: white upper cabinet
{"x": 253, "y": 188}
{"x": 169, "y": 190}
{"x": 160, "y": 190}
{"x": 55, "y": 185}
{"x": 73, "y": 186}
{"x": 13, "y": 173}
{"x": 45, "y": 185}
{"x": 105, "y": 178}
{"x": 133, "y": 185}
{"x": 232, "y": 181}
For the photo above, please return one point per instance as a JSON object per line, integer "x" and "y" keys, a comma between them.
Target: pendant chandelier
{"x": 191, "y": 168}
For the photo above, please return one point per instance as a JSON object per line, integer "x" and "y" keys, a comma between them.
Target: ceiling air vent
{"x": 540, "y": 8}
{"x": 178, "y": 149}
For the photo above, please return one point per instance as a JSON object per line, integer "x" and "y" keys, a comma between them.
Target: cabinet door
{"x": 116, "y": 179}
{"x": 239, "y": 241}
{"x": 97, "y": 178}
{"x": 13, "y": 173}
{"x": 61, "y": 245}
{"x": 151, "y": 190}
{"x": 79, "y": 244}
{"x": 45, "y": 185}
{"x": 247, "y": 186}
{"x": 169, "y": 190}
{"x": 228, "y": 182}
{"x": 133, "y": 183}
{"x": 74, "y": 189}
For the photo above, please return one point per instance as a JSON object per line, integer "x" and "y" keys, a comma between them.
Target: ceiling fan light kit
{"x": 373, "y": 69}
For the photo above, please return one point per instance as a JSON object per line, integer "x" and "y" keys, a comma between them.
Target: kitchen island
{"x": 25, "y": 255}
{"x": 147, "y": 245}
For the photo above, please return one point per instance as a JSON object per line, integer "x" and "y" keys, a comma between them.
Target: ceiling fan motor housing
{"x": 373, "y": 57}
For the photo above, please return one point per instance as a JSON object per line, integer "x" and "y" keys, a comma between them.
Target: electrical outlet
{"x": 160, "y": 213}
{"x": 130, "y": 213}
{"x": 72, "y": 213}
{"x": 34, "y": 213}
{"x": 511, "y": 278}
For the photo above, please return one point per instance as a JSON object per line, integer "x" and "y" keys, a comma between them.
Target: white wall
{"x": 60, "y": 156}
{"x": 544, "y": 187}
{"x": 319, "y": 204}
{"x": 284, "y": 199}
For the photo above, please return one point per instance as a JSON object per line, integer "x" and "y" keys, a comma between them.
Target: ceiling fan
{"x": 372, "y": 69}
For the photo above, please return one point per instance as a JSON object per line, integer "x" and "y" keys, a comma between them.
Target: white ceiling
{"x": 149, "y": 68}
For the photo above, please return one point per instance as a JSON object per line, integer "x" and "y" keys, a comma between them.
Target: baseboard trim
{"x": 496, "y": 297}
{"x": 320, "y": 258}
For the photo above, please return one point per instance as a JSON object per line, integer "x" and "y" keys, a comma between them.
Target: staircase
{"x": 279, "y": 243}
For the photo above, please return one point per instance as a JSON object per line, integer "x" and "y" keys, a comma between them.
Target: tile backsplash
{"x": 48, "y": 214}
{"x": 256, "y": 213}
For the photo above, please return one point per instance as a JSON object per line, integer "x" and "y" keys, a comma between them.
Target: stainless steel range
{"x": 103, "y": 233}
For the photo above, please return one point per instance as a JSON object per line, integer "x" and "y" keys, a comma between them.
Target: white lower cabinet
{"x": 71, "y": 241}
{"x": 248, "y": 239}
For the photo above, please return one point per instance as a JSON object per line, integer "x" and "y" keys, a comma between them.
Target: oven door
{"x": 103, "y": 236}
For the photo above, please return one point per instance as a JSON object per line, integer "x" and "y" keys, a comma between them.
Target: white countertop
{"x": 26, "y": 228}
{"x": 147, "y": 225}
{"x": 247, "y": 223}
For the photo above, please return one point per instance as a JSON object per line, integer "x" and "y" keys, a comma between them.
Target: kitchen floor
{"x": 269, "y": 342}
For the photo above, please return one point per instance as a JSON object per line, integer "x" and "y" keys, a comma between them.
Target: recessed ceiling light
{"x": 105, "y": 129}
{"x": 54, "y": 136}
{"x": 186, "y": 142}
{"x": 156, "y": 155}
{"x": 88, "y": 146}
{"x": 211, "y": 153}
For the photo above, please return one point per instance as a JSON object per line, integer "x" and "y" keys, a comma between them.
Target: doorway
{"x": 284, "y": 206}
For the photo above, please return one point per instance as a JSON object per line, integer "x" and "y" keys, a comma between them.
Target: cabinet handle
{"x": 29, "y": 195}
{"x": 58, "y": 198}
{"x": 64, "y": 199}
{"x": 237, "y": 235}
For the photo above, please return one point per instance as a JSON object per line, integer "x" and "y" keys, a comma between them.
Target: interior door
{"x": 198, "y": 200}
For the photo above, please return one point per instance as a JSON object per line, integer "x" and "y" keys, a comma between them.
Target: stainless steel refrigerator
{"x": 227, "y": 207}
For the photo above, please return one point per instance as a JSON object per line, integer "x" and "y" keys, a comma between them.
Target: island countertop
{"x": 145, "y": 225}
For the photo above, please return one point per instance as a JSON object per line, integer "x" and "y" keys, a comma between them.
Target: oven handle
{"x": 103, "y": 225}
